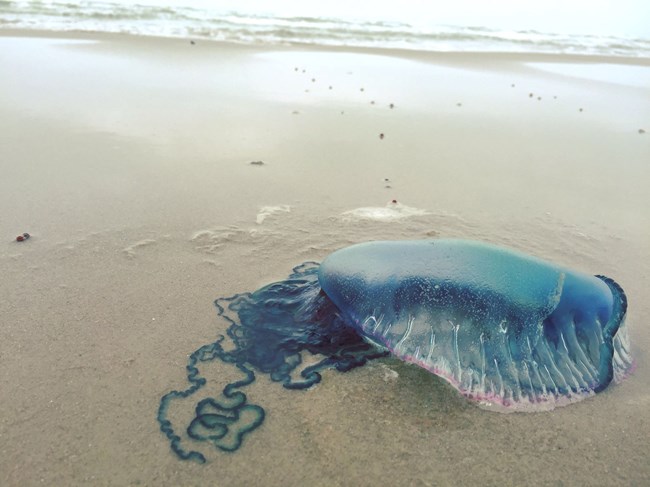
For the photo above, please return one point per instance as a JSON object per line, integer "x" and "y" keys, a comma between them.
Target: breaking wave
{"x": 236, "y": 27}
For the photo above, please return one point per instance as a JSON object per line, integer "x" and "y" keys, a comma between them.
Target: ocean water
{"x": 201, "y": 20}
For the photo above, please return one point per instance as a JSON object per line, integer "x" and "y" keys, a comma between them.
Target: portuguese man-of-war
{"x": 510, "y": 331}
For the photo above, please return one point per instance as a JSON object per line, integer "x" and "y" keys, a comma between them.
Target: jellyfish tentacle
{"x": 215, "y": 419}
{"x": 197, "y": 382}
{"x": 270, "y": 329}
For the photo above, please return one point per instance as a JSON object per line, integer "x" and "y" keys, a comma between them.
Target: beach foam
{"x": 389, "y": 213}
{"x": 267, "y": 211}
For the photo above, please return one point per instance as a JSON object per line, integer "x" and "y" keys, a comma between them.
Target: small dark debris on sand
{"x": 192, "y": 42}
{"x": 257, "y": 163}
{"x": 381, "y": 136}
{"x": 391, "y": 105}
{"x": 23, "y": 237}
{"x": 641, "y": 131}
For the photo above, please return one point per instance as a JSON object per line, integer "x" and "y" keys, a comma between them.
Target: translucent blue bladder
{"x": 505, "y": 329}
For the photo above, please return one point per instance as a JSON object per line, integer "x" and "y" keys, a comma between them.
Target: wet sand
{"x": 128, "y": 160}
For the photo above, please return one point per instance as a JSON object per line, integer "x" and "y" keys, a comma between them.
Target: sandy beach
{"x": 128, "y": 160}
